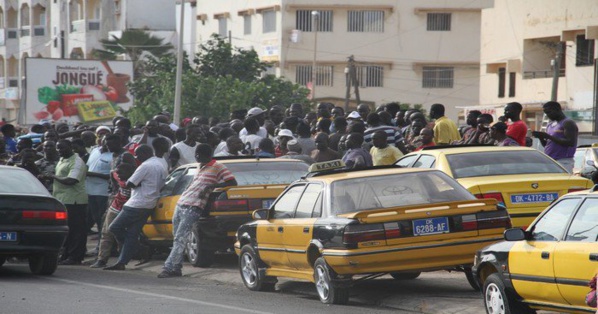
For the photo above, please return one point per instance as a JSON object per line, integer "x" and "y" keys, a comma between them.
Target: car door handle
{"x": 594, "y": 257}
{"x": 280, "y": 229}
{"x": 306, "y": 230}
{"x": 545, "y": 255}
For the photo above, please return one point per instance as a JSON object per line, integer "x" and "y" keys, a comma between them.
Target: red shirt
{"x": 425, "y": 145}
{"x": 517, "y": 131}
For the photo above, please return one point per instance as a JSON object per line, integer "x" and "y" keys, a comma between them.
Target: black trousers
{"x": 75, "y": 244}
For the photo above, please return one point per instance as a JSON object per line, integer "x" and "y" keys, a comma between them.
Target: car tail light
{"x": 494, "y": 219}
{"x": 495, "y": 195}
{"x": 46, "y": 215}
{"x": 361, "y": 233}
{"x": 469, "y": 222}
{"x": 229, "y": 205}
{"x": 576, "y": 189}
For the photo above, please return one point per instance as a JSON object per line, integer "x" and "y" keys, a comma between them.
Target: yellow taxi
{"x": 260, "y": 181}
{"x": 547, "y": 267}
{"x": 524, "y": 179}
{"x": 337, "y": 225}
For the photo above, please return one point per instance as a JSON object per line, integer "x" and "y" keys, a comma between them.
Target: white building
{"x": 418, "y": 52}
{"x": 67, "y": 29}
{"x": 519, "y": 41}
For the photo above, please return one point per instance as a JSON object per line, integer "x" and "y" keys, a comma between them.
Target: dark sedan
{"x": 33, "y": 224}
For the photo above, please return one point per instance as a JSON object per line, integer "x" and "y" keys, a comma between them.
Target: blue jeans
{"x": 182, "y": 224}
{"x": 126, "y": 228}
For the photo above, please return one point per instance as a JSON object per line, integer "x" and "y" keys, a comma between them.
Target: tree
{"x": 136, "y": 44}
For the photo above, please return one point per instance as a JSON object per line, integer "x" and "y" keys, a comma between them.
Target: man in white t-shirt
{"x": 183, "y": 153}
{"x": 260, "y": 115}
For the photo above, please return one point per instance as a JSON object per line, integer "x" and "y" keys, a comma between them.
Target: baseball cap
{"x": 254, "y": 112}
{"x": 285, "y": 132}
{"x": 354, "y": 115}
{"x": 103, "y": 127}
{"x": 294, "y": 146}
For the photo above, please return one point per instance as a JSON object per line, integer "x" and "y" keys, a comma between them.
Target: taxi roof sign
{"x": 327, "y": 165}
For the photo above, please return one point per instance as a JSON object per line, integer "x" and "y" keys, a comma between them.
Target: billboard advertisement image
{"x": 71, "y": 91}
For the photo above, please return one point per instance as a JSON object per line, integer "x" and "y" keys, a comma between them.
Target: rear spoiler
{"x": 415, "y": 211}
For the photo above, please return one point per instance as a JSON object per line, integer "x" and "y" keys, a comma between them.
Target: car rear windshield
{"x": 264, "y": 172}
{"x": 394, "y": 190}
{"x": 16, "y": 181}
{"x": 501, "y": 163}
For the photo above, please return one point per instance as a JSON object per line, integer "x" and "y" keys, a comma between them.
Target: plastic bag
{"x": 591, "y": 296}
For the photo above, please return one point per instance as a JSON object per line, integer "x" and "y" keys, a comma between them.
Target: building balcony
{"x": 82, "y": 26}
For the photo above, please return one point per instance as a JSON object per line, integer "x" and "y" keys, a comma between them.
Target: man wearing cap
{"x": 354, "y": 115}
{"x": 283, "y": 137}
{"x": 102, "y": 131}
{"x": 498, "y": 132}
{"x": 260, "y": 116}
{"x": 295, "y": 152}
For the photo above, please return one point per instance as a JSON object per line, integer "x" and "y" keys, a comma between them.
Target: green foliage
{"x": 407, "y": 106}
{"x": 222, "y": 80}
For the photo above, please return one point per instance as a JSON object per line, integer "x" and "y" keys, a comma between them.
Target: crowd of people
{"x": 111, "y": 176}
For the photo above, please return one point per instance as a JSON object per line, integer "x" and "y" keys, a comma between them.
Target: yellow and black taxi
{"x": 546, "y": 267}
{"x": 524, "y": 179}
{"x": 260, "y": 181}
{"x": 334, "y": 225}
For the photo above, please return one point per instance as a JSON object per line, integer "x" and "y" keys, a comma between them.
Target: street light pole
{"x": 179, "y": 69}
{"x": 315, "y": 26}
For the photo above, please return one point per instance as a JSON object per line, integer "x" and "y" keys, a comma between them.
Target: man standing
{"x": 145, "y": 183}
{"x": 183, "y": 153}
{"x": 356, "y": 157}
{"x": 517, "y": 129}
{"x": 393, "y": 136}
{"x": 427, "y": 139}
{"x": 364, "y": 111}
{"x": 498, "y": 132}
{"x": 69, "y": 188}
{"x": 323, "y": 152}
{"x": 295, "y": 153}
{"x": 9, "y": 133}
{"x": 260, "y": 116}
{"x": 382, "y": 153}
{"x": 472, "y": 122}
{"x": 211, "y": 175}
{"x": 445, "y": 130}
{"x": 560, "y": 138}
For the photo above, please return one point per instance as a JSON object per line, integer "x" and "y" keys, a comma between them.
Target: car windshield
{"x": 394, "y": 190}
{"x": 263, "y": 172}
{"x": 16, "y": 181}
{"x": 499, "y": 163}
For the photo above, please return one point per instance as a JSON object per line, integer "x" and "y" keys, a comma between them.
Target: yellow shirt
{"x": 385, "y": 156}
{"x": 445, "y": 131}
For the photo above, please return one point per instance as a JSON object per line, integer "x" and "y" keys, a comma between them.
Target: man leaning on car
{"x": 211, "y": 175}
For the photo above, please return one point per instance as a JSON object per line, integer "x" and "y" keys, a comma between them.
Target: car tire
{"x": 197, "y": 256}
{"x": 327, "y": 291}
{"x": 405, "y": 276}
{"x": 43, "y": 264}
{"x": 498, "y": 300}
{"x": 471, "y": 279}
{"x": 249, "y": 264}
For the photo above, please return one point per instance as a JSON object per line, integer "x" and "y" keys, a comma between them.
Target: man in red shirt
{"x": 517, "y": 129}
{"x": 427, "y": 138}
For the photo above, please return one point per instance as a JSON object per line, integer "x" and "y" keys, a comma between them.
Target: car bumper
{"x": 33, "y": 240}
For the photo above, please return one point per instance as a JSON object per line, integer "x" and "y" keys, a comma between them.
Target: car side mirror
{"x": 261, "y": 214}
{"x": 514, "y": 234}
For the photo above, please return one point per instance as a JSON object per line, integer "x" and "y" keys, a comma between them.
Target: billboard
{"x": 71, "y": 91}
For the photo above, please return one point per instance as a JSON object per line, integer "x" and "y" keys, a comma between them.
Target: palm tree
{"x": 136, "y": 44}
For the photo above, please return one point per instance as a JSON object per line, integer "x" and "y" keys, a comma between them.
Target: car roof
{"x": 329, "y": 178}
{"x": 247, "y": 160}
{"x": 449, "y": 150}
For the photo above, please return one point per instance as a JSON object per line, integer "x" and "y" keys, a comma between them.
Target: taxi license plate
{"x": 430, "y": 226}
{"x": 534, "y": 198}
{"x": 8, "y": 236}
{"x": 267, "y": 203}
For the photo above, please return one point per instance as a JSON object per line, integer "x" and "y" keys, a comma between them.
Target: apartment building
{"x": 419, "y": 52}
{"x": 67, "y": 29}
{"x": 520, "y": 42}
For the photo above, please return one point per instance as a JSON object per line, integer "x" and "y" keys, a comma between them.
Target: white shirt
{"x": 263, "y": 133}
{"x": 252, "y": 139}
{"x": 186, "y": 153}
{"x": 221, "y": 148}
{"x": 149, "y": 179}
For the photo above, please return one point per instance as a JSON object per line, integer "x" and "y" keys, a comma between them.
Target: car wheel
{"x": 471, "y": 279}
{"x": 405, "y": 276}
{"x": 498, "y": 301}
{"x": 328, "y": 292}
{"x": 250, "y": 274}
{"x": 43, "y": 264}
{"x": 197, "y": 256}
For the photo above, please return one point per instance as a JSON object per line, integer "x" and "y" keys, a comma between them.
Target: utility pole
{"x": 348, "y": 79}
{"x": 315, "y": 25}
{"x": 556, "y": 68}
{"x": 353, "y": 73}
{"x": 179, "y": 69}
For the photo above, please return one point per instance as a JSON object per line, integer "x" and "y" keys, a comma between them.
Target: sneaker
{"x": 69, "y": 261}
{"x": 98, "y": 264}
{"x": 169, "y": 273}
{"x": 117, "y": 266}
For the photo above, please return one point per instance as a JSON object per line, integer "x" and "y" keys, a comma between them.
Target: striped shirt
{"x": 208, "y": 175}
{"x": 393, "y": 135}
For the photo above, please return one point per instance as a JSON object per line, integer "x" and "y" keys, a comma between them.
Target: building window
{"x": 222, "y": 27}
{"x": 305, "y": 20}
{"x": 439, "y": 21}
{"x": 247, "y": 24}
{"x": 323, "y": 75}
{"x": 269, "y": 21}
{"x": 585, "y": 51}
{"x": 501, "y": 82}
{"x": 365, "y": 21}
{"x": 438, "y": 77}
{"x": 512, "y": 82}
{"x": 370, "y": 76}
